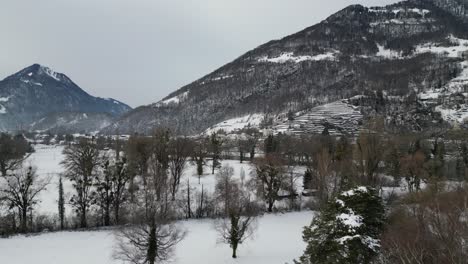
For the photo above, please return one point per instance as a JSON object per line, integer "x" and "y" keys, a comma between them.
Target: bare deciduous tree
{"x": 179, "y": 151}
{"x": 238, "y": 221}
{"x": 22, "y": 188}
{"x": 432, "y": 231}
{"x": 270, "y": 176}
{"x": 121, "y": 178}
{"x": 369, "y": 153}
{"x": 412, "y": 169}
{"x": 153, "y": 236}
{"x": 199, "y": 155}
{"x": 81, "y": 161}
{"x": 13, "y": 151}
{"x": 147, "y": 243}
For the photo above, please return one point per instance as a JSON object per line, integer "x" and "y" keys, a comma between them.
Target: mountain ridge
{"x": 398, "y": 51}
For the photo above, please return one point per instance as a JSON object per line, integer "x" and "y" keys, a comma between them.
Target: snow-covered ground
{"x": 47, "y": 158}
{"x": 278, "y": 239}
{"x": 174, "y": 100}
{"x": 455, "y": 50}
{"x": 238, "y": 123}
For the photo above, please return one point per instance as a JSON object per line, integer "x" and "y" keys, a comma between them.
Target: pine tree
{"x": 347, "y": 230}
{"x": 307, "y": 180}
{"x": 271, "y": 144}
{"x": 215, "y": 147}
{"x": 61, "y": 205}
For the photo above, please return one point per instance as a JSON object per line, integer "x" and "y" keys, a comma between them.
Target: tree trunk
{"x": 83, "y": 218}
{"x": 116, "y": 213}
{"x": 189, "y": 211}
{"x": 107, "y": 215}
{"x": 174, "y": 189}
{"x": 252, "y": 154}
{"x": 24, "y": 220}
{"x": 270, "y": 206}
{"x": 152, "y": 246}
{"x": 201, "y": 203}
{"x": 234, "y": 250}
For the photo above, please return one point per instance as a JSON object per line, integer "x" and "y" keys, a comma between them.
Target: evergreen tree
{"x": 347, "y": 230}
{"x": 61, "y": 204}
{"x": 215, "y": 147}
{"x": 199, "y": 156}
{"x": 307, "y": 180}
{"x": 271, "y": 144}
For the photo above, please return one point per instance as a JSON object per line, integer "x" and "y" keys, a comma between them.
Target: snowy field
{"x": 278, "y": 239}
{"x": 47, "y": 160}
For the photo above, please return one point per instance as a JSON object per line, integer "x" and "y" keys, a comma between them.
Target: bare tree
{"x": 270, "y": 176}
{"x": 153, "y": 238}
{"x": 224, "y": 183}
{"x": 104, "y": 187}
{"x": 121, "y": 178}
{"x": 215, "y": 151}
{"x": 138, "y": 153}
{"x": 22, "y": 188}
{"x": 430, "y": 228}
{"x": 13, "y": 151}
{"x": 145, "y": 244}
{"x": 159, "y": 160}
{"x": 81, "y": 162}
{"x": 238, "y": 221}
{"x": 369, "y": 153}
{"x": 413, "y": 170}
{"x": 324, "y": 173}
{"x": 179, "y": 151}
{"x": 199, "y": 155}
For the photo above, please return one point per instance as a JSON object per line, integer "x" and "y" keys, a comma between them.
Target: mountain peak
{"x": 42, "y": 71}
{"x": 38, "y": 91}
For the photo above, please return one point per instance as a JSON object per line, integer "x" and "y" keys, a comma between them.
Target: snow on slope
{"x": 174, "y": 100}
{"x": 421, "y": 12}
{"x": 336, "y": 115}
{"x": 278, "y": 239}
{"x": 3, "y": 100}
{"x": 455, "y": 50}
{"x": 231, "y": 125}
{"x": 289, "y": 57}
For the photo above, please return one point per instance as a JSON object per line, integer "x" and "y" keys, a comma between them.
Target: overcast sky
{"x": 138, "y": 51}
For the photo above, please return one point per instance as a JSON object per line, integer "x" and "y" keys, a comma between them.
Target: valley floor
{"x": 278, "y": 239}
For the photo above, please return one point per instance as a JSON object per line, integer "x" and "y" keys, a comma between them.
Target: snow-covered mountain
{"x": 406, "y": 61}
{"x": 36, "y": 95}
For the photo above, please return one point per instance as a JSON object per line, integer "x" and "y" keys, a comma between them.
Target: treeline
{"x": 138, "y": 185}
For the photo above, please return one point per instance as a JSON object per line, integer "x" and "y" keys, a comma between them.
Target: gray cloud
{"x": 138, "y": 51}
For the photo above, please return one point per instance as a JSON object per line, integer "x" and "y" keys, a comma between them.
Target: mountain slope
{"x": 72, "y": 122}
{"x": 36, "y": 92}
{"x": 381, "y": 60}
